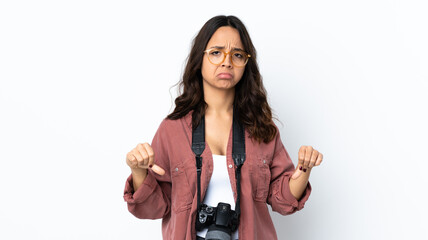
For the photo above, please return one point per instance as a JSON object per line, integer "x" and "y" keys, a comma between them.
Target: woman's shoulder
{"x": 172, "y": 125}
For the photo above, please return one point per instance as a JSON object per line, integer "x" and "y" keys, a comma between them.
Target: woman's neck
{"x": 220, "y": 102}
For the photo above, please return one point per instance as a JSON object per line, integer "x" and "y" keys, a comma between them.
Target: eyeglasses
{"x": 217, "y": 56}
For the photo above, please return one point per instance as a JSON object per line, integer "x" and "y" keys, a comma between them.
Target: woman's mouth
{"x": 225, "y": 76}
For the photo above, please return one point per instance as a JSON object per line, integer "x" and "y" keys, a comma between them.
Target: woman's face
{"x": 224, "y": 75}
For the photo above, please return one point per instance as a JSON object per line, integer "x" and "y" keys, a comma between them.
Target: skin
{"x": 219, "y": 93}
{"x": 228, "y": 38}
{"x": 308, "y": 158}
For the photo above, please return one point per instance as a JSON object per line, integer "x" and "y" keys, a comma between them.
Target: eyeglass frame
{"x": 225, "y": 54}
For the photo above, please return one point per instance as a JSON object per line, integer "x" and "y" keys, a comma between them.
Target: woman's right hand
{"x": 141, "y": 158}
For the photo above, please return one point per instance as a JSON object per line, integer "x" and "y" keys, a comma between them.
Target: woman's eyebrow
{"x": 222, "y": 47}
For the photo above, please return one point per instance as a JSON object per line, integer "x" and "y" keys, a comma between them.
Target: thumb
{"x": 296, "y": 173}
{"x": 158, "y": 169}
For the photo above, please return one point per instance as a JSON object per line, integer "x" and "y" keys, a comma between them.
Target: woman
{"x": 221, "y": 81}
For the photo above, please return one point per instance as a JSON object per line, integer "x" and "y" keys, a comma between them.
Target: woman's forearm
{"x": 298, "y": 185}
{"x": 138, "y": 178}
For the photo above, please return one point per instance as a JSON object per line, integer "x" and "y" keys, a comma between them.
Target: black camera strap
{"x": 238, "y": 155}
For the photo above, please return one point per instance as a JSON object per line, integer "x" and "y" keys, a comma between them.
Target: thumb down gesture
{"x": 308, "y": 158}
{"x": 141, "y": 158}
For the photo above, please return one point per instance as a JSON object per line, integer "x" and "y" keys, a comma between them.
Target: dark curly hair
{"x": 250, "y": 102}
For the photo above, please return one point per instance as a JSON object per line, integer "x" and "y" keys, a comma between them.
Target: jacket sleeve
{"x": 280, "y": 197}
{"x": 152, "y": 199}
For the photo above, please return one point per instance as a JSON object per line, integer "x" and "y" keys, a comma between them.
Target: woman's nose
{"x": 227, "y": 61}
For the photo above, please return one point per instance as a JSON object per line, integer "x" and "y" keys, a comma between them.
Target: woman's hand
{"x": 141, "y": 158}
{"x": 308, "y": 158}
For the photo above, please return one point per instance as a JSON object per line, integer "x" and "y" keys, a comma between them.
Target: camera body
{"x": 220, "y": 220}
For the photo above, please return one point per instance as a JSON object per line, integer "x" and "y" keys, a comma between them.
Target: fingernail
{"x": 300, "y": 167}
{"x": 150, "y": 166}
{"x": 304, "y": 170}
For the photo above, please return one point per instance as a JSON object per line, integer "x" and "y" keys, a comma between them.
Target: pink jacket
{"x": 173, "y": 196}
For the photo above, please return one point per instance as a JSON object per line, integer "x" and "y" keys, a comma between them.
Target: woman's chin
{"x": 227, "y": 84}
{"x": 223, "y": 87}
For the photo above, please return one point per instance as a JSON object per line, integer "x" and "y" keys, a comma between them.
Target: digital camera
{"x": 221, "y": 221}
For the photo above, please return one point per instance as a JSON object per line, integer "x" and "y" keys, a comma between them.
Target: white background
{"x": 82, "y": 82}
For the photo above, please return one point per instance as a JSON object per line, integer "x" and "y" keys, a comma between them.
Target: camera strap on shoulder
{"x": 238, "y": 155}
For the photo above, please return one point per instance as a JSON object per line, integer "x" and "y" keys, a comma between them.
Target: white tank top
{"x": 219, "y": 189}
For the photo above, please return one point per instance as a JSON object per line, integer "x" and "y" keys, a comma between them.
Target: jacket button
{"x": 230, "y": 165}
{"x": 176, "y": 169}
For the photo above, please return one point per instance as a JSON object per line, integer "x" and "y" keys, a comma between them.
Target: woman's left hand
{"x": 308, "y": 158}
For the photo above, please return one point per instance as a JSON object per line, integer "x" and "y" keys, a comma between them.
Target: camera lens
{"x": 218, "y": 233}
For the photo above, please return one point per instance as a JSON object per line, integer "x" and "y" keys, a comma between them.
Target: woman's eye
{"x": 215, "y": 52}
{"x": 238, "y": 55}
